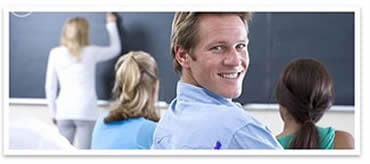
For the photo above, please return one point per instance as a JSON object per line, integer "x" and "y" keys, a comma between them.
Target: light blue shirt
{"x": 132, "y": 133}
{"x": 200, "y": 119}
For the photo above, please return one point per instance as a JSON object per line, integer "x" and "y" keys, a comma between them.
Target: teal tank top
{"x": 327, "y": 136}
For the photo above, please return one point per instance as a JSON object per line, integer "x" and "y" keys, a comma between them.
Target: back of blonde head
{"x": 134, "y": 91}
{"x": 75, "y": 35}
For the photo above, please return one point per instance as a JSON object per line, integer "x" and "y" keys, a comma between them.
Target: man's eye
{"x": 240, "y": 46}
{"x": 217, "y": 48}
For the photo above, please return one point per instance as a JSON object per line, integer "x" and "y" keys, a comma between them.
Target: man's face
{"x": 220, "y": 58}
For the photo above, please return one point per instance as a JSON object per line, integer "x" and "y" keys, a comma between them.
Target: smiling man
{"x": 210, "y": 52}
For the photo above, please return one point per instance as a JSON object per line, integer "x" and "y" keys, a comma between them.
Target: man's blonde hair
{"x": 185, "y": 30}
{"x": 134, "y": 88}
{"x": 75, "y": 35}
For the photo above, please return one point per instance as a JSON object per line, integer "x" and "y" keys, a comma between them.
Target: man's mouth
{"x": 233, "y": 75}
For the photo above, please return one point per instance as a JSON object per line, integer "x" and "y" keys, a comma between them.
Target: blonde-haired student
{"x": 131, "y": 121}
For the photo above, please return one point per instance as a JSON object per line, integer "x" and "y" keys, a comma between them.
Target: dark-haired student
{"x": 305, "y": 91}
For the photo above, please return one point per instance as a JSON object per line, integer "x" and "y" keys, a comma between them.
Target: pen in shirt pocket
{"x": 218, "y": 145}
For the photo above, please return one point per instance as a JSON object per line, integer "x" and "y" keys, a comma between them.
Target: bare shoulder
{"x": 343, "y": 140}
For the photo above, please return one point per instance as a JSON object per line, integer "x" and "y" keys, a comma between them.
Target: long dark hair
{"x": 306, "y": 90}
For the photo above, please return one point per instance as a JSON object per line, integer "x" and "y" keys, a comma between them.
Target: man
{"x": 209, "y": 50}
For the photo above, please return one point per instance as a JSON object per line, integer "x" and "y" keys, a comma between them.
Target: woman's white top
{"x": 77, "y": 98}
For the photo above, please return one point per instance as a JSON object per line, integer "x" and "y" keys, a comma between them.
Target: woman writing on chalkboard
{"x": 132, "y": 119}
{"x": 72, "y": 66}
{"x": 305, "y": 91}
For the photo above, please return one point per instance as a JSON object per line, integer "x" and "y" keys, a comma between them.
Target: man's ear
{"x": 182, "y": 56}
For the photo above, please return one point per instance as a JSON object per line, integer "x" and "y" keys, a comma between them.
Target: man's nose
{"x": 233, "y": 58}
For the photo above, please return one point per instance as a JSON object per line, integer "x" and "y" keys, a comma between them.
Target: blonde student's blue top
{"x": 132, "y": 133}
{"x": 327, "y": 136}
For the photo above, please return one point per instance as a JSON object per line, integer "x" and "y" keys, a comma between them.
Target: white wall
{"x": 340, "y": 119}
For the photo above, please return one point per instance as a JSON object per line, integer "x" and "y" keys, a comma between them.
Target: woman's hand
{"x": 111, "y": 17}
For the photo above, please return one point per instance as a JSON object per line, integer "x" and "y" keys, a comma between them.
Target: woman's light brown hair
{"x": 134, "y": 89}
{"x": 75, "y": 36}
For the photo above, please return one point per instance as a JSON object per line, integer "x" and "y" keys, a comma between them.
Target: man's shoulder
{"x": 233, "y": 112}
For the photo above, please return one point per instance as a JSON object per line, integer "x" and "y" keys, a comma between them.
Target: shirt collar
{"x": 188, "y": 92}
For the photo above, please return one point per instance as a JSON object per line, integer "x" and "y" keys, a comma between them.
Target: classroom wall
{"x": 340, "y": 119}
